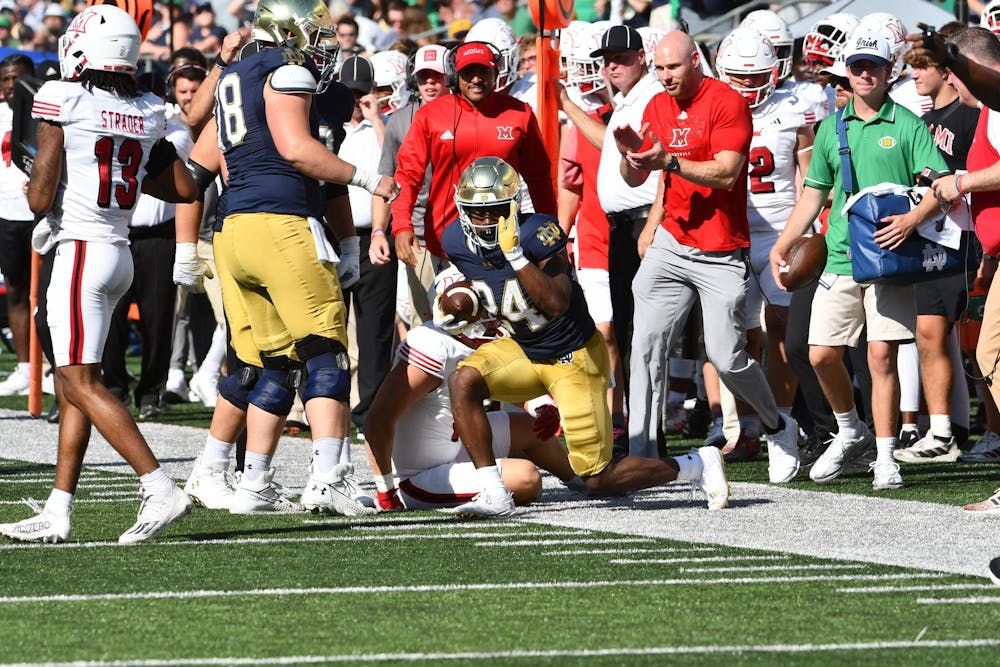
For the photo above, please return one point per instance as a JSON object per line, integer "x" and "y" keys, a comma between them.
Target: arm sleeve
{"x": 536, "y": 167}
{"x": 411, "y": 168}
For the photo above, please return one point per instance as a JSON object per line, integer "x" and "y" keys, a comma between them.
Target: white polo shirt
{"x": 614, "y": 193}
{"x": 362, "y": 149}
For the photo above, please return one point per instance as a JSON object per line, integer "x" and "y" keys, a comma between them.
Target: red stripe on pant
{"x": 432, "y": 498}
{"x": 76, "y": 304}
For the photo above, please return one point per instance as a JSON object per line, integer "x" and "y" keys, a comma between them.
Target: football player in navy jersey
{"x": 276, "y": 267}
{"x": 522, "y": 275}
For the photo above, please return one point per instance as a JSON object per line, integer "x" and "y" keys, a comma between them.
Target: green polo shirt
{"x": 893, "y": 147}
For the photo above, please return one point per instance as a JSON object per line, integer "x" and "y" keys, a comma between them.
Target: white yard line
{"x": 970, "y": 600}
{"x": 619, "y": 552}
{"x": 493, "y": 656}
{"x": 773, "y": 568}
{"x": 548, "y": 543}
{"x": 79, "y": 501}
{"x": 700, "y": 559}
{"x": 915, "y": 589}
{"x": 436, "y": 588}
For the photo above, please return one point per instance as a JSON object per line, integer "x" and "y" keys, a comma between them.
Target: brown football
{"x": 460, "y": 300}
{"x": 804, "y": 262}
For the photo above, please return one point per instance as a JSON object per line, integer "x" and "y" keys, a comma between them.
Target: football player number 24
{"x": 514, "y": 306}
{"x": 128, "y": 154}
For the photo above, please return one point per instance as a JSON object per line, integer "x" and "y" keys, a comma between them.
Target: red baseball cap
{"x": 474, "y": 53}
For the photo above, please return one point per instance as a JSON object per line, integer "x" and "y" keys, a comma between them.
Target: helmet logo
{"x": 505, "y": 133}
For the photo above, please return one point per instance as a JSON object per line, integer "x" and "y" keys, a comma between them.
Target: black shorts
{"x": 946, "y": 296}
{"x": 15, "y": 251}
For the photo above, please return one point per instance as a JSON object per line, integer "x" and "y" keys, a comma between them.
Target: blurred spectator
{"x": 447, "y": 11}
{"x": 528, "y": 59}
{"x": 53, "y": 25}
{"x": 391, "y": 23}
{"x": 511, "y": 11}
{"x": 415, "y": 22}
{"x": 6, "y": 37}
{"x": 458, "y": 29}
{"x": 206, "y": 35}
{"x": 364, "y": 8}
{"x": 347, "y": 35}
{"x": 161, "y": 42}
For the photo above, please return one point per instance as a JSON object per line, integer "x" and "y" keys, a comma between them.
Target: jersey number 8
{"x": 229, "y": 116}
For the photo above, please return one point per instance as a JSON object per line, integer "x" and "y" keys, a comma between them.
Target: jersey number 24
{"x": 514, "y": 306}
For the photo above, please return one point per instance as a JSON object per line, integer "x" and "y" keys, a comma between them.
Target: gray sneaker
{"x": 260, "y": 496}
{"x": 929, "y": 449}
{"x": 336, "y": 492}
{"x": 833, "y": 462}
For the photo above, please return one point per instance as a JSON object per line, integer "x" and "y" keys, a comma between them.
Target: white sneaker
{"x": 831, "y": 464}
{"x": 487, "y": 505}
{"x": 176, "y": 390}
{"x": 46, "y": 526}
{"x": 783, "y": 452}
{"x": 336, "y": 492}
{"x": 987, "y": 450}
{"x": 713, "y": 478}
{"x": 929, "y": 449}
{"x": 886, "y": 476}
{"x": 211, "y": 485}
{"x": 16, "y": 384}
{"x": 260, "y": 496}
{"x": 205, "y": 388}
{"x": 988, "y": 507}
{"x": 155, "y": 514}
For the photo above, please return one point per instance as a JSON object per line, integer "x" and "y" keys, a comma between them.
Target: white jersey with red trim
{"x": 107, "y": 141}
{"x": 904, "y": 93}
{"x": 13, "y": 203}
{"x": 425, "y": 433}
{"x": 771, "y": 164}
{"x": 808, "y": 97}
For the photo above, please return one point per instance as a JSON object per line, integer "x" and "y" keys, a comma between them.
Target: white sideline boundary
{"x": 441, "y": 588}
{"x": 508, "y": 655}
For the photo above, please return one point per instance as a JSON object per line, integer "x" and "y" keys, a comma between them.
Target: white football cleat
{"x": 834, "y": 461}
{"x": 487, "y": 505}
{"x": 16, "y": 384}
{"x": 205, "y": 388}
{"x": 783, "y": 452}
{"x": 336, "y": 492}
{"x": 155, "y": 514}
{"x": 887, "y": 476}
{"x": 929, "y": 449}
{"x": 260, "y": 496}
{"x": 211, "y": 485}
{"x": 713, "y": 480}
{"x": 46, "y": 526}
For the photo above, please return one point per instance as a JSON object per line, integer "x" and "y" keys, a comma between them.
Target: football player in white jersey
{"x": 100, "y": 142}
{"x": 824, "y": 42}
{"x": 782, "y": 142}
{"x": 418, "y": 461}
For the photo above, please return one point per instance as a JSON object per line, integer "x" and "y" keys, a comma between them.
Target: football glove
{"x": 189, "y": 269}
{"x": 508, "y": 236}
{"x": 547, "y": 424}
{"x": 388, "y": 501}
{"x": 349, "y": 267}
{"x": 448, "y": 323}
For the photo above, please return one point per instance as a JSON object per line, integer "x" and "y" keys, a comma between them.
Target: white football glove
{"x": 349, "y": 267}
{"x": 189, "y": 269}
{"x": 447, "y": 323}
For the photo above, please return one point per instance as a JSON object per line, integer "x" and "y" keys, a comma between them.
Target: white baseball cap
{"x": 838, "y": 68}
{"x": 430, "y": 57}
{"x": 868, "y": 45}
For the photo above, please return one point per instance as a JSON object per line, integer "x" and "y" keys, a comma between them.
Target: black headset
{"x": 451, "y": 75}
{"x": 172, "y": 76}
{"x": 411, "y": 77}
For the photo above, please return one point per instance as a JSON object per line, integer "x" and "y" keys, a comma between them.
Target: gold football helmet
{"x": 487, "y": 189}
{"x": 303, "y": 25}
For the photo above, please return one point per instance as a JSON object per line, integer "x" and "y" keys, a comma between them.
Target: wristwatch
{"x": 672, "y": 164}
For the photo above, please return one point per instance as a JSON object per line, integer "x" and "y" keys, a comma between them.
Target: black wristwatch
{"x": 672, "y": 164}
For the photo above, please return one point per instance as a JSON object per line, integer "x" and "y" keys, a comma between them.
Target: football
{"x": 461, "y": 301}
{"x": 804, "y": 262}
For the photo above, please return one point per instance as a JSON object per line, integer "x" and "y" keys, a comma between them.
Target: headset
{"x": 176, "y": 71}
{"x": 411, "y": 77}
{"x": 451, "y": 76}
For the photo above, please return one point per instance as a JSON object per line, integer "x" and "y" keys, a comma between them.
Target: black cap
{"x": 619, "y": 38}
{"x": 357, "y": 74}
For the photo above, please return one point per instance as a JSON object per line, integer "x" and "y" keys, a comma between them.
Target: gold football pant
{"x": 578, "y": 384}
{"x": 274, "y": 288}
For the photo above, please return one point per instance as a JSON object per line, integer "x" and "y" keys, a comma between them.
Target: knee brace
{"x": 275, "y": 389}
{"x": 328, "y": 370}
{"x": 236, "y": 387}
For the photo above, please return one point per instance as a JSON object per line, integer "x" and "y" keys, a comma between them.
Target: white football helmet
{"x": 746, "y": 51}
{"x": 101, "y": 38}
{"x": 825, "y": 40}
{"x": 776, "y": 30}
{"x": 650, "y": 38}
{"x": 577, "y": 67}
{"x": 487, "y": 182}
{"x": 894, "y": 32}
{"x": 498, "y": 33}
{"x": 304, "y": 25}
{"x": 990, "y": 18}
{"x": 390, "y": 70}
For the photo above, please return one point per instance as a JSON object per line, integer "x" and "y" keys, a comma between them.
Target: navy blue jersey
{"x": 539, "y": 334}
{"x": 260, "y": 180}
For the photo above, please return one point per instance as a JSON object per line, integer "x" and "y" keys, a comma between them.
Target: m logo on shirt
{"x": 680, "y": 138}
{"x": 944, "y": 139}
{"x": 505, "y": 133}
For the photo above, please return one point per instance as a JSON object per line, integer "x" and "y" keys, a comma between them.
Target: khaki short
{"x": 840, "y": 313}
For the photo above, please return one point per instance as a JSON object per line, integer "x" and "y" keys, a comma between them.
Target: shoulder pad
{"x": 542, "y": 237}
{"x": 293, "y": 79}
{"x": 54, "y": 100}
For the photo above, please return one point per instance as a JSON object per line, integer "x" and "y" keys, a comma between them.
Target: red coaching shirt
{"x": 448, "y": 134}
{"x": 985, "y": 206}
{"x": 592, "y": 231}
{"x": 715, "y": 119}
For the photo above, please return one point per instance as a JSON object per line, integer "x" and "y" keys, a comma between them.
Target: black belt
{"x": 629, "y": 217}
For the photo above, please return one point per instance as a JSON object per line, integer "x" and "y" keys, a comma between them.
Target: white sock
{"x": 327, "y": 453}
{"x": 23, "y": 368}
{"x": 255, "y": 465}
{"x": 689, "y": 467}
{"x": 941, "y": 426}
{"x": 59, "y": 501}
{"x": 750, "y": 425}
{"x": 884, "y": 447}
{"x": 345, "y": 452}
{"x": 156, "y": 482}
{"x": 848, "y": 424}
{"x": 489, "y": 478}
{"x": 216, "y": 450}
